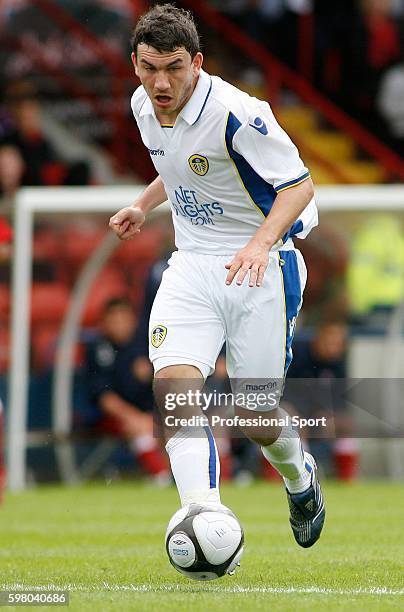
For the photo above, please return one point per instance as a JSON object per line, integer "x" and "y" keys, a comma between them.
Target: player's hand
{"x": 127, "y": 222}
{"x": 253, "y": 260}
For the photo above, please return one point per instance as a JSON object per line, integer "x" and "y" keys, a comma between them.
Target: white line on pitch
{"x": 147, "y": 588}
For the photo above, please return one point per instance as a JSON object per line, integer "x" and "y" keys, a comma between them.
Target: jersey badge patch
{"x": 158, "y": 335}
{"x": 259, "y": 125}
{"x": 199, "y": 164}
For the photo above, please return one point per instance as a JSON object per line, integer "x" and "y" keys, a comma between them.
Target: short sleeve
{"x": 138, "y": 99}
{"x": 267, "y": 148}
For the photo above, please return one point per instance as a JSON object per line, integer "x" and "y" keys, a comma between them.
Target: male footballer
{"x": 239, "y": 193}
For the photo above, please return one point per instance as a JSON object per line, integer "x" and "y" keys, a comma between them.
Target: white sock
{"x": 286, "y": 455}
{"x": 195, "y": 465}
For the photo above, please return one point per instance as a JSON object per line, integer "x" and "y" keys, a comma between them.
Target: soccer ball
{"x": 204, "y": 542}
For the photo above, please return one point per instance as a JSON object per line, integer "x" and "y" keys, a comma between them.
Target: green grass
{"x": 106, "y": 542}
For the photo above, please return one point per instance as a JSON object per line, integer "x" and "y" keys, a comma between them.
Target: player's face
{"x": 168, "y": 78}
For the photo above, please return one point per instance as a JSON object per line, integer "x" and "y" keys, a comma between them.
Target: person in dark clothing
{"x": 119, "y": 378}
{"x": 323, "y": 356}
{"x": 23, "y": 132}
{"x": 320, "y": 364}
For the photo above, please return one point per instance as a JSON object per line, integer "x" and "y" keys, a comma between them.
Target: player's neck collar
{"x": 197, "y": 102}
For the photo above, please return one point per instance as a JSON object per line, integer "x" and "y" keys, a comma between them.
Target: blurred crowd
{"x": 352, "y": 50}
{"x": 27, "y": 157}
{"x": 356, "y": 47}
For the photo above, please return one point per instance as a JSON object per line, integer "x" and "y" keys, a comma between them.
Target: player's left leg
{"x": 259, "y": 352}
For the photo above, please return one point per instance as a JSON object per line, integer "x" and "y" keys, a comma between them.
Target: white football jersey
{"x": 222, "y": 165}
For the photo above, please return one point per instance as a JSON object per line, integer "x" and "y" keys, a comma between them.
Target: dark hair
{"x": 166, "y": 28}
{"x": 117, "y": 302}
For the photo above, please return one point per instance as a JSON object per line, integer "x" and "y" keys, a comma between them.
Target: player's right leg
{"x": 185, "y": 338}
{"x": 191, "y": 448}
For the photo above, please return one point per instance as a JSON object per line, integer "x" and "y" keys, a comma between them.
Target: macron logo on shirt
{"x": 259, "y": 125}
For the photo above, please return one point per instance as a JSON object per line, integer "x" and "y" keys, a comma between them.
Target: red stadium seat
{"x": 44, "y": 345}
{"x": 143, "y": 248}
{"x": 47, "y": 245}
{"x": 4, "y": 302}
{"x": 110, "y": 283}
{"x": 80, "y": 242}
{"x": 4, "y": 348}
{"x": 48, "y": 302}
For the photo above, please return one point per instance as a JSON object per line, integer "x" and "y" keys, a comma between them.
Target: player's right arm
{"x": 128, "y": 221}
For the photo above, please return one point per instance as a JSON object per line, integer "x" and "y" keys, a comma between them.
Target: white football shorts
{"x": 195, "y": 312}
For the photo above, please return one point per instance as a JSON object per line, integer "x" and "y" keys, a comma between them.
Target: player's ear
{"x": 197, "y": 63}
{"x": 133, "y": 57}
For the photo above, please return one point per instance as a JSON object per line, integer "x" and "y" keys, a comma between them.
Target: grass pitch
{"x": 105, "y": 544}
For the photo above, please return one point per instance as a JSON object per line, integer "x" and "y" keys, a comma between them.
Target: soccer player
{"x": 239, "y": 193}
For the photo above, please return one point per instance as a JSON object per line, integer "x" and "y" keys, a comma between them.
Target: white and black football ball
{"x": 204, "y": 542}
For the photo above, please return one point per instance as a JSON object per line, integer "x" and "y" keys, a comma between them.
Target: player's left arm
{"x": 269, "y": 151}
{"x": 253, "y": 258}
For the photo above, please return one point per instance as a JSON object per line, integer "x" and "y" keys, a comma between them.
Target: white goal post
{"x": 73, "y": 200}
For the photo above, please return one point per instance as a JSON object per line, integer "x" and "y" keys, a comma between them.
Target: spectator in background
{"x": 5, "y": 239}
{"x": 325, "y": 294}
{"x": 256, "y": 17}
{"x": 321, "y": 362}
{"x": 25, "y": 137}
{"x": 128, "y": 8}
{"x": 2, "y": 458}
{"x": 373, "y": 46}
{"x": 119, "y": 377}
{"x": 288, "y": 28}
{"x": 274, "y": 23}
{"x": 335, "y": 21}
{"x": 376, "y": 268}
{"x": 12, "y": 168}
{"x": 243, "y": 12}
{"x": 398, "y": 9}
{"x": 390, "y": 103}
{"x": 8, "y": 7}
{"x": 383, "y": 36}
